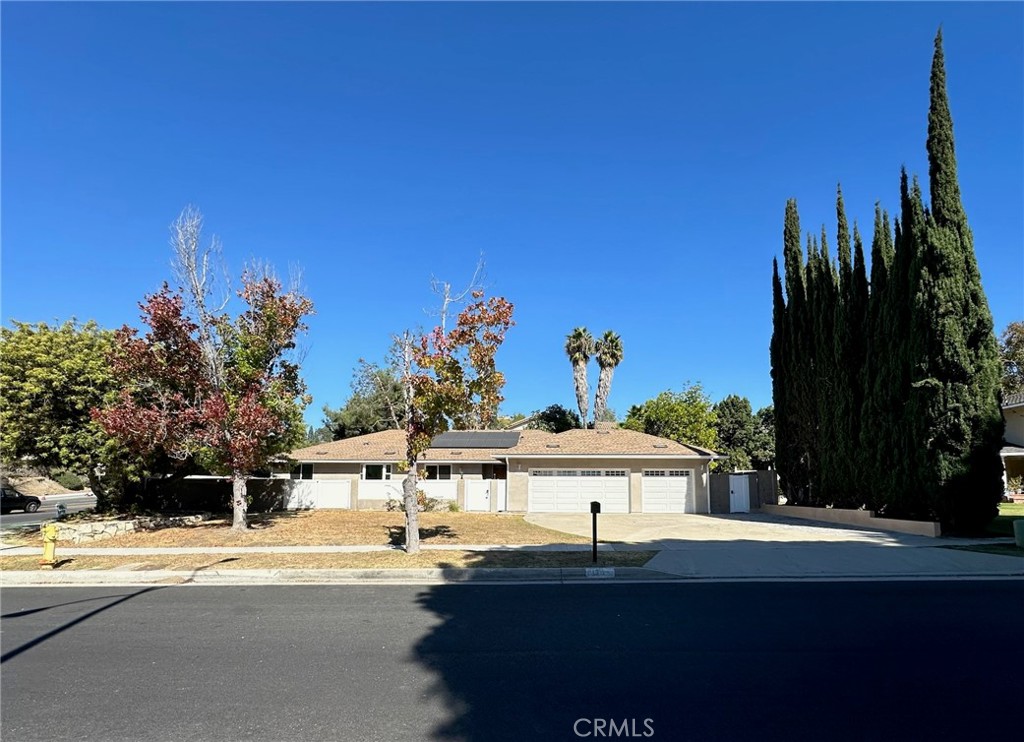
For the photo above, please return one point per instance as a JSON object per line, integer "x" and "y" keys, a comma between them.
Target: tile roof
{"x": 614, "y": 442}
{"x": 389, "y": 445}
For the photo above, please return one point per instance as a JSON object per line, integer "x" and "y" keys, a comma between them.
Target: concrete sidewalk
{"x": 171, "y": 550}
{"x": 689, "y": 562}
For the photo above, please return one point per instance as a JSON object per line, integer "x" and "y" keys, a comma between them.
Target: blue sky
{"x": 621, "y": 166}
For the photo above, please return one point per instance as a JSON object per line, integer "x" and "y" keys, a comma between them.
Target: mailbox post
{"x": 595, "y": 508}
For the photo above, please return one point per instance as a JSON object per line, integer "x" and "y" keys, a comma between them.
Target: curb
{"x": 482, "y": 575}
{"x": 444, "y": 576}
{"x": 65, "y": 495}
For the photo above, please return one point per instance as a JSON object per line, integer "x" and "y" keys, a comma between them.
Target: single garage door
{"x": 572, "y": 490}
{"x": 668, "y": 491}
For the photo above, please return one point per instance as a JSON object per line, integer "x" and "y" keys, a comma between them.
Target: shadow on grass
{"x": 396, "y": 534}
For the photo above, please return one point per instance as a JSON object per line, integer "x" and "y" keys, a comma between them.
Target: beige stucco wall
{"x": 1014, "y": 426}
{"x": 518, "y": 477}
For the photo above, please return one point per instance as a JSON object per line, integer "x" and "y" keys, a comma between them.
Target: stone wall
{"x": 95, "y": 530}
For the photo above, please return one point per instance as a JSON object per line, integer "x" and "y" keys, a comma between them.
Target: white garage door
{"x": 572, "y": 490}
{"x": 668, "y": 491}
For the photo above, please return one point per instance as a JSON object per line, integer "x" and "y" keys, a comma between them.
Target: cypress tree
{"x": 827, "y": 384}
{"x": 873, "y": 413}
{"x": 954, "y": 397}
{"x": 780, "y": 379}
{"x": 796, "y": 365}
{"x": 857, "y": 350}
{"x": 846, "y": 393}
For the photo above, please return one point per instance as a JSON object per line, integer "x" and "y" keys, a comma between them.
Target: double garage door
{"x": 572, "y": 490}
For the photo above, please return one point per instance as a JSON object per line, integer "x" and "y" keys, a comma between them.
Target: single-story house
{"x": 1012, "y": 452}
{"x": 517, "y": 471}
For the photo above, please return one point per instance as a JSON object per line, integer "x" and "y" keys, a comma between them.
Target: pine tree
{"x": 954, "y": 396}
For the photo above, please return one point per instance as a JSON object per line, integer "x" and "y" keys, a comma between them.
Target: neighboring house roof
{"x": 1013, "y": 400}
{"x": 1011, "y": 451}
{"x": 522, "y": 422}
{"x": 389, "y": 445}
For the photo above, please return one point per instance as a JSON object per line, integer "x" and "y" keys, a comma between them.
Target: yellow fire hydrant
{"x": 49, "y": 545}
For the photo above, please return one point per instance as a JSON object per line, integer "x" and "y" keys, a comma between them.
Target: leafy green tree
{"x": 687, "y": 417}
{"x": 735, "y": 428}
{"x": 555, "y": 419}
{"x": 51, "y": 377}
{"x": 609, "y": 355}
{"x": 1011, "y": 349}
{"x": 762, "y": 444}
{"x": 375, "y": 404}
{"x": 579, "y": 347}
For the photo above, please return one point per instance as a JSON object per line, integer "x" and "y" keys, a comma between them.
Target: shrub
{"x": 69, "y": 480}
{"x": 426, "y": 504}
{"x": 453, "y": 506}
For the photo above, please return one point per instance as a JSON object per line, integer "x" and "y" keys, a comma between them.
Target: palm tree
{"x": 609, "y": 355}
{"x": 579, "y": 346}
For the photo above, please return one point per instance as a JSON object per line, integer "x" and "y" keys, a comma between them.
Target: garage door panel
{"x": 573, "y": 494}
{"x": 668, "y": 491}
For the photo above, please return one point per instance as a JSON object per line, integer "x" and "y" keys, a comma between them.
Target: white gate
{"x": 478, "y": 495}
{"x": 739, "y": 493}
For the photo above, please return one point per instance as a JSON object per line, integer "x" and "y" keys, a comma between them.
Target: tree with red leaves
{"x": 214, "y": 391}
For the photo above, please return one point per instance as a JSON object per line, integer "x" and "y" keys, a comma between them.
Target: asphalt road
{"x": 47, "y": 511}
{"x": 788, "y": 661}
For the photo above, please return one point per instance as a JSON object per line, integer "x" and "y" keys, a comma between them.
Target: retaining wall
{"x": 83, "y": 531}
{"x": 865, "y": 518}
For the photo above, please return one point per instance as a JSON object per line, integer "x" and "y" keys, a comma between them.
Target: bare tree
{"x": 197, "y": 271}
{"x": 449, "y": 300}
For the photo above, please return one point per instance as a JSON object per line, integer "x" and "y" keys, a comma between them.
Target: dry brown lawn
{"x": 347, "y": 527}
{"x": 359, "y": 560}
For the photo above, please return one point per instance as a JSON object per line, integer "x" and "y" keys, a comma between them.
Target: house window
{"x": 654, "y": 472}
{"x": 679, "y": 473}
{"x": 541, "y": 473}
{"x": 439, "y": 471}
{"x": 302, "y": 471}
{"x": 615, "y": 473}
{"x": 566, "y": 473}
{"x": 590, "y": 473}
{"x": 377, "y": 471}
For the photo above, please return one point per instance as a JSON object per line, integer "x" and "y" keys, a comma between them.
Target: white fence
{"x": 302, "y": 494}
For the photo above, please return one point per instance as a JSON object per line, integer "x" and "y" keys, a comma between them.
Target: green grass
{"x": 1003, "y": 524}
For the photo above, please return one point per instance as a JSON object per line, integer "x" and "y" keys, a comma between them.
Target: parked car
{"x": 11, "y": 500}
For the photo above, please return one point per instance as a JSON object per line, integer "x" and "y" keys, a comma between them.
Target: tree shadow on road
{"x": 11, "y": 654}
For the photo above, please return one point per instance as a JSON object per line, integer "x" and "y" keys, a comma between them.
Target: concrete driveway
{"x": 676, "y": 531}
{"x": 761, "y": 546}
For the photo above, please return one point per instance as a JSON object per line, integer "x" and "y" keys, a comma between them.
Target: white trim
{"x": 394, "y": 461}
{"x": 386, "y": 472}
